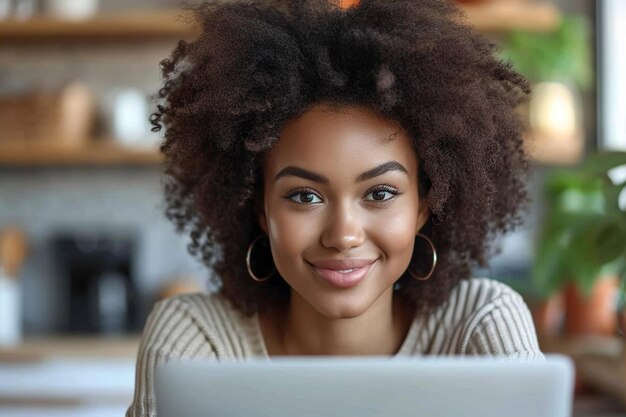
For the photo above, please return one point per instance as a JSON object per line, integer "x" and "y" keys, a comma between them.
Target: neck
{"x": 378, "y": 331}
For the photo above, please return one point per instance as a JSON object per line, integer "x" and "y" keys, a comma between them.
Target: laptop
{"x": 444, "y": 386}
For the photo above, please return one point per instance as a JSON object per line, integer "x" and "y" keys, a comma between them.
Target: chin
{"x": 341, "y": 308}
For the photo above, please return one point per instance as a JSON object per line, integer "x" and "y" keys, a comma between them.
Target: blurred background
{"x": 85, "y": 249}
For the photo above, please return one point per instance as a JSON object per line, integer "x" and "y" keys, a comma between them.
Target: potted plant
{"x": 582, "y": 242}
{"x": 558, "y": 64}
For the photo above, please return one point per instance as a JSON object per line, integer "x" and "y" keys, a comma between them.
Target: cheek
{"x": 394, "y": 234}
{"x": 290, "y": 234}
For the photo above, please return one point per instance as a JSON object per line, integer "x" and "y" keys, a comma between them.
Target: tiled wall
{"x": 112, "y": 200}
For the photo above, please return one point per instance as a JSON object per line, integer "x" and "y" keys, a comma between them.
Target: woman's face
{"x": 341, "y": 207}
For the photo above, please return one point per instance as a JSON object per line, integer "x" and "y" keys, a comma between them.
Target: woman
{"x": 341, "y": 171}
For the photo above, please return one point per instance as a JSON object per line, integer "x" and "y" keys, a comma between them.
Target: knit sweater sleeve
{"x": 172, "y": 331}
{"x": 504, "y": 327}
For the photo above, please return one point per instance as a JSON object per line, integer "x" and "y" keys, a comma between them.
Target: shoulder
{"x": 208, "y": 317}
{"x": 480, "y": 316}
{"x": 496, "y": 320}
{"x": 206, "y": 308}
{"x": 474, "y": 299}
{"x": 478, "y": 296}
{"x": 483, "y": 288}
{"x": 476, "y": 293}
{"x": 469, "y": 297}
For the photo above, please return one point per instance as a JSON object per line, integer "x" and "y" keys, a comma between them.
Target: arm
{"x": 171, "y": 332}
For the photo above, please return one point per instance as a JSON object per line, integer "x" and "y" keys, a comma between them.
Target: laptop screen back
{"x": 468, "y": 386}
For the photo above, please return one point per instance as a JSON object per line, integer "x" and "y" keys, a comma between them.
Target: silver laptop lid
{"x": 468, "y": 386}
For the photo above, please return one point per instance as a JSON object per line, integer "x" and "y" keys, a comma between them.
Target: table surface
{"x": 594, "y": 402}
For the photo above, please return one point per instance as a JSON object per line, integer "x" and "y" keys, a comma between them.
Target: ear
{"x": 259, "y": 209}
{"x": 262, "y": 220}
{"x": 423, "y": 214}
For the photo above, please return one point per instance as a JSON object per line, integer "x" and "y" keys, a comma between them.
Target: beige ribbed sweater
{"x": 481, "y": 317}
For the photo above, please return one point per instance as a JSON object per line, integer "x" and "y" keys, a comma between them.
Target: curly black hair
{"x": 257, "y": 64}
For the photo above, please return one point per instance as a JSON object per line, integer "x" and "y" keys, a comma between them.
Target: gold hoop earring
{"x": 249, "y": 255}
{"x": 434, "y": 261}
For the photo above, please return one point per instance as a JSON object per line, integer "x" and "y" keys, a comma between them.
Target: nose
{"x": 344, "y": 229}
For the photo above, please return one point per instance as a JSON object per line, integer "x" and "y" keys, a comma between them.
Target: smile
{"x": 343, "y": 278}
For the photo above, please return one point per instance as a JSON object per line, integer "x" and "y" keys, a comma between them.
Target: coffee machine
{"x": 97, "y": 282}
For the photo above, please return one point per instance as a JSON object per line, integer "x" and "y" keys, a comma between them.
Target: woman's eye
{"x": 382, "y": 194}
{"x": 303, "y": 197}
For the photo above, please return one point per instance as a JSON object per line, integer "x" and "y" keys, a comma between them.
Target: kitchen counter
{"x": 37, "y": 349}
{"x": 68, "y": 376}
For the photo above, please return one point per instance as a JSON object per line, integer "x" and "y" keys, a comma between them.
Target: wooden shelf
{"x": 103, "y": 152}
{"x": 100, "y": 153}
{"x": 490, "y": 16}
{"x": 136, "y": 24}
{"x": 493, "y": 16}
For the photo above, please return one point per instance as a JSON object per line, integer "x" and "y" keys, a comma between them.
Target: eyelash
{"x": 386, "y": 188}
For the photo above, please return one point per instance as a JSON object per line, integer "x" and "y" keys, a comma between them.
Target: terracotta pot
{"x": 549, "y": 314}
{"x": 349, "y": 3}
{"x": 596, "y": 314}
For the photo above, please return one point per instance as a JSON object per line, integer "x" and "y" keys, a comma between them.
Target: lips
{"x": 342, "y": 264}
{"x": 344, "y": 273}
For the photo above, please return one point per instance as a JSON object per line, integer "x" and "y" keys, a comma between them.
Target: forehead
{"x": 339, "y": 142}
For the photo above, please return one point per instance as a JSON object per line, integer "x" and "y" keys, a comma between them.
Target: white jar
{"x": 130, "y": 118}
{"x": 71, "y": 9}
{"x": 10, "y": 310}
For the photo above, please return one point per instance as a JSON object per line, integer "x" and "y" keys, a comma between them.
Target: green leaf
{"x": 600, "y": 240}
{"x": 583, "y": 274}
{"x": 599, "y": 163}
{"x": 611, "y": 195}
{"x": 547, "y": 269}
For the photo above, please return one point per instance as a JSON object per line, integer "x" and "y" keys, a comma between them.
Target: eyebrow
{"x": 372, "y": 173}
